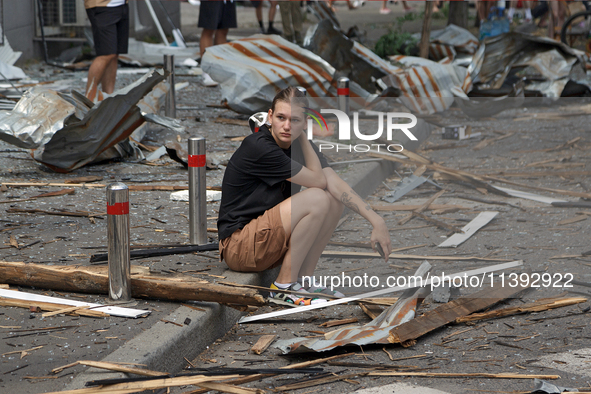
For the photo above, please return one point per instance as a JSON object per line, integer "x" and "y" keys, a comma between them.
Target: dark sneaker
{"x": 293, "y": 299}
{"x": 272, "y": 30}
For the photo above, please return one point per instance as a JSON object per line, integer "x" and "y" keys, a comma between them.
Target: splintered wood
{"x": 263, "y": 343}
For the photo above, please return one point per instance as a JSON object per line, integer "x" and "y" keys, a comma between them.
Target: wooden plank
{"x": 465, "y": 375}
{"x": 469, "y": 230}
{"x": 374, "y": 255}
{"x": 576, "y": 219}
{"x": 432, "y": 207}
{"x": 449, "y": 312}
{"x": 422, "y": 207}
{"x": 538, "y": 306}
{"x": 44, "y": 306}
{"x": 370, "y": 310}
{"x": 437, "y": 223}
{"x": 262, "y": 344}
{"x": 318, "y": 381}
{"x": 111, "y": 310}
{"x": 228, "y": 388}
{"x": 119, "y": 368}
{"x": 65, "y": 310}
{"x": 339, "y": 322}
{"x": 95, "y": 280}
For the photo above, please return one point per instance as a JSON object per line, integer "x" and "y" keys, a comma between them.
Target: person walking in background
{"x": 385, "y": 10}
{"x": 259, "y": 13}
{"x": 526, "y": 5}
{"x": 110, "y": 29}
{"x": 216, "y": 17}
{"x": 291, "y": 17}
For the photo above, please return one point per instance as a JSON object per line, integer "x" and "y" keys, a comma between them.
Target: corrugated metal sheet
{"x": 374, "y": 332}
{"x": 426, "y": 86}
{"x": 461, "y": 39}
{"x": 252, "y": 70}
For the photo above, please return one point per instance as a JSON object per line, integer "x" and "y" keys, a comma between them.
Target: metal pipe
{"x": 197, "y": 192}
{"x": 170, "y": 103}
{"x": 118, "y": 242}
{"x": 343, "y": 94}
{"x": 157, "y": 22}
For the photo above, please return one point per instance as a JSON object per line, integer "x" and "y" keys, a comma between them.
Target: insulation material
{"x": 252, "y": 70}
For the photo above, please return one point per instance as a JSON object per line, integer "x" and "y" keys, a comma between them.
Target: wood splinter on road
{"x": 263, "y": 343}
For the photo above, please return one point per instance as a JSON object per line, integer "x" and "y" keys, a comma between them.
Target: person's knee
{"x": 317, "y": 201}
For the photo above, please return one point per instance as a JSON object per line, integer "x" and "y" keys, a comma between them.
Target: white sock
{"x": 282, "y": 285}
{"x": 528, "y": 14}
{"x": 510, "y": 13}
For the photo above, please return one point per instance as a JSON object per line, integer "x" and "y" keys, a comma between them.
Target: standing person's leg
{"x": 103, "y": 70}
{"x": 385, "y": 10}
{"x": 221, "y": 36}
{"x": 206, "y": 40}
{"x": 258, "y": 10}
{"x": 286, "y": 10}
{"x": 272, "y": 12}
{"x": 528, "y": 16}
{"x": 297, "y": 19}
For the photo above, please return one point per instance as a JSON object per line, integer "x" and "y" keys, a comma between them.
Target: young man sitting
{"x": 266, "y": 221}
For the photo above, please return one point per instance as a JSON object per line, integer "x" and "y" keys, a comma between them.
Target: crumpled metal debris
{"x": 543, "y": 58}
{"x": 252, "y": 70}
{"x": 405, "y": 186}
{"x": 543, "y": 387}
{"x": 69, "y": 131}
{"x": 482, "y": 107}
{"x": 448, "y": 42}
{"x": 374, "y": 332}
{"x": 144, "y": 54}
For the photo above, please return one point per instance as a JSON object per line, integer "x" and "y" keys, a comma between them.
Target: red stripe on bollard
{"x": 343, "y": 91}
{"x": 120, "y": 208}
{"x": 196, "y": 160}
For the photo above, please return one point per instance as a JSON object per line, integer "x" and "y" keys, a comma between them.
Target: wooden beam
{"x": 94, "y": 280}
{"x": 465, "y": 375}
{"x": 374, "y": 255}
{"x": 538, "y": 306}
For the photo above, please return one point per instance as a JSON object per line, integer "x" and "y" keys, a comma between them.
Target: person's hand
{"x": 380, "y": 236}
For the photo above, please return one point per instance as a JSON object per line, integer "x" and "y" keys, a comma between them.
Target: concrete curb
{"x": 164, "y": 346}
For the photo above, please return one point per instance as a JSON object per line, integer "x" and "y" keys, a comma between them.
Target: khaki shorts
{"x": 260, "y": 245}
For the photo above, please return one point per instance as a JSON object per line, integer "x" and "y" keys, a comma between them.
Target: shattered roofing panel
{"x": 252, "y": 70}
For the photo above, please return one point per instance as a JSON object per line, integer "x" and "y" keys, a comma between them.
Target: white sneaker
{"x": 195, "y": 2}
{"x": 207, "y": 81}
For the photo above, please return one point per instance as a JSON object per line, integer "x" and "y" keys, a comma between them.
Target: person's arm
{"x": 341, "y": 191}
{"x": 311, "y": 175}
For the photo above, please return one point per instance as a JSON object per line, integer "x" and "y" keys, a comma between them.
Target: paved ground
{"x": 547, "y": 343}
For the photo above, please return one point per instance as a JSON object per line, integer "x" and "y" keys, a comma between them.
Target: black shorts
{"x": 217, "y": 14}
{"x": 110, "y": 29}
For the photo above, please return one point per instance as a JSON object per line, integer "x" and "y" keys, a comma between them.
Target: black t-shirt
{"x": 256, "y": 179}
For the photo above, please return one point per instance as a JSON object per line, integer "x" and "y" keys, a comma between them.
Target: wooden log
{"x": 538, "y": 306}
{"x": 262, "y": 344}
{"x": 94, "y": 280}
{"x": 449, "y": 312}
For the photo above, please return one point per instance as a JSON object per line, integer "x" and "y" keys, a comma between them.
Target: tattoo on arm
{"x": 346, "y": 199}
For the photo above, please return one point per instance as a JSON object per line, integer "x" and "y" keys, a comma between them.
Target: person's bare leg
{"x": 206, "y": 40}
{"x": 272, "y": 10}
{"x": 303, "y": 215}
{"x": 221, "y": 36}
{"x": 331, "y": 220}
{"x": 95, "y": 74}
{"x": 110, "y": 76}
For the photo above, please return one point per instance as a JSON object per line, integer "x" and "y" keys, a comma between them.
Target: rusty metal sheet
{"x": 460, "y": 39}
{"x": 374, "y": 332}
{"x": 426, "y": 86}
{"x": 252, "y": 70}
